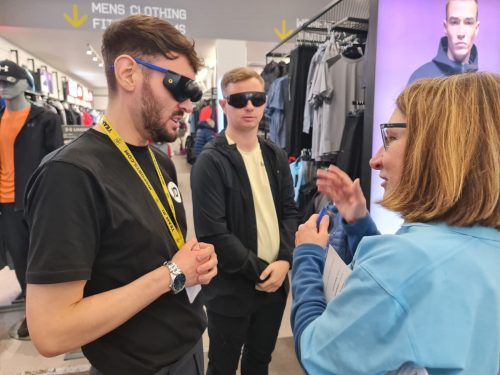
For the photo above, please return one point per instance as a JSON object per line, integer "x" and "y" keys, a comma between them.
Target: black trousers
{"x": 15, "y": 239}
{"x": 190, "y": 363}
{"x": 257, "y": 332}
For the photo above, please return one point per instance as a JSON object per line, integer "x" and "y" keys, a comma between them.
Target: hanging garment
{"x": 297, "y": 177}
{"x": 306, "y": 206}
{"x": 70, "y": 116}
{"x": 275, "y": 111}
{"x": 339, "y": 82}
{"x": 349, "y": 158}
{"x": 311, "y": 78}
{"x": 87, "y": 119}
{"x": 95, "y": 115}
{"x": 60, "y": 111}
{"x": 300, "y": 60}
{"x": 270, "y": 73}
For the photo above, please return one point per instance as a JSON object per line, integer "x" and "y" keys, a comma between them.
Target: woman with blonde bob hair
{"x": 429, "y": 296}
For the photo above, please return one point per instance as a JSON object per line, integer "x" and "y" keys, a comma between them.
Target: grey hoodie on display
{"x": 442, "y": 66}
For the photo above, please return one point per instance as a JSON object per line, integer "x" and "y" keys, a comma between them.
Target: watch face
{"x": 179, "y": 282}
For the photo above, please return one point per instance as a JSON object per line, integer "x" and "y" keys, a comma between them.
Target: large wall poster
{"x": 408, "y": 36}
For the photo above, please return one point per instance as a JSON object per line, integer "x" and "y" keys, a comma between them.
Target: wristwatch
{"x": 177, "y": 278}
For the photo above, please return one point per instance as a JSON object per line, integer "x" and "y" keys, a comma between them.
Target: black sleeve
{"x": 65, "y": 211}
{"x": 289, "y": 216}
{"x": 210, "y": 221}
{"x": 53, "y": 133}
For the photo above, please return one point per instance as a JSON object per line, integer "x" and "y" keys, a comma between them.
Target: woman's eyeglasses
{"x": 386, "y": 138}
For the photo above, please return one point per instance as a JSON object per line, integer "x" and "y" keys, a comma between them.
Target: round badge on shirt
{"x": 174, "y": 192}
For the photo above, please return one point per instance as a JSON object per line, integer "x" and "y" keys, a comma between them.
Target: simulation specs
{"x": 385, "y": 137}
{"x": 181, "y": 87}
{"x": 240, "y": 100}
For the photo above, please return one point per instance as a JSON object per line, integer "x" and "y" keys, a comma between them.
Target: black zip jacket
{"x": 40, "y": 134}
{"x": 224, "y": 216}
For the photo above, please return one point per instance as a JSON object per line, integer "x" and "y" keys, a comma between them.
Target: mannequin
{"x": 13, "y": 94}
{"x": 27, "y": 134}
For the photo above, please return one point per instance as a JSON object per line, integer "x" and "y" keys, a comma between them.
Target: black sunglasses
{"x": 181, "y": 87}
{"x": 383, "y": 131}
{"x": 8, "y": 80}
{"x": 240, "y": 100}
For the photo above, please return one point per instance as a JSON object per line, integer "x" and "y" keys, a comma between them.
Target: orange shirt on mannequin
{"x": 10, "y": 126}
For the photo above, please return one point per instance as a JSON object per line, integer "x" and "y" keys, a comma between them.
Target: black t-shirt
{"x": 91, "y": 218}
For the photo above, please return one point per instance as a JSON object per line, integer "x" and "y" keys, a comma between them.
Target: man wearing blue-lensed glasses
{"x": 109, "y": 268}
{"x": 243, "y": 205}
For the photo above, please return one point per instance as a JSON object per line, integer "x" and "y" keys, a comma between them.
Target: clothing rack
{"x": 315, "y": 35}
{"x": 343, "y": 15}
{"x": 352, "y": 25}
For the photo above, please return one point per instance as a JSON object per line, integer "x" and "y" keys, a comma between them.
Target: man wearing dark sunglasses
{"x": 109, "y": 267}
{"x": 248, "y": 213}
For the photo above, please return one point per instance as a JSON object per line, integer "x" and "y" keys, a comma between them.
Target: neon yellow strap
{"x": 122, "y": 146}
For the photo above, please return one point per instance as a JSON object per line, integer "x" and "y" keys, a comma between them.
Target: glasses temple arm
{"x": 151, "y": 66}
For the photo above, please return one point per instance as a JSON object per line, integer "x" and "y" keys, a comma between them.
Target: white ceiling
{"x": 65, "y": 50}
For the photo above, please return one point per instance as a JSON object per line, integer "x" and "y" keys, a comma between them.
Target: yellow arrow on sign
{"x": 75, "y": 21}
{"x": 283, "y": 33}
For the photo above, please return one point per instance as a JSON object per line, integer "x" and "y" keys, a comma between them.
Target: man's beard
{"x": 151, "y": 109}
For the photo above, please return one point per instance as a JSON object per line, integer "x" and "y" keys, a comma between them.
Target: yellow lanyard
{"x": 122, "y": 146}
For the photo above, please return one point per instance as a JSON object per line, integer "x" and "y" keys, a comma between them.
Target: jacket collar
{"x": 221, "y": 144}
{"x": 451, "y": 66}
{"x": 477, "y": 231}
{"x": 232, "y": 155}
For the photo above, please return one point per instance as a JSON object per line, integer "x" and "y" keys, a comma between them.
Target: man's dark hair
{"x": 140, "y": 35}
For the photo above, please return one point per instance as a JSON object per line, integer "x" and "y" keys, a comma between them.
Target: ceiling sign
{"x": 284, "y": 32}
{"x": 75, "y": 21}
{"x": 215, "y": 19}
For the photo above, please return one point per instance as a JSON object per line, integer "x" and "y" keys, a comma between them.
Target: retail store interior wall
{"x": 23, "y": 58}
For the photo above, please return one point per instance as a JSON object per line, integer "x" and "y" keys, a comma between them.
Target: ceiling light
{"x": 89, "y": 49}
{"x": 94, "y": 58}
{"x": 101, "y": 65}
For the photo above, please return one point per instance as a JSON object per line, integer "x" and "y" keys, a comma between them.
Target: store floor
{"x": 21, "y": 358}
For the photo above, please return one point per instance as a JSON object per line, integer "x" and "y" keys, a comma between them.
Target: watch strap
{"x": 175, "y": 272}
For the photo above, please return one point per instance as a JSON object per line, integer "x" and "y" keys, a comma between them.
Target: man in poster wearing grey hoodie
{"x": 456, "y": 52}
